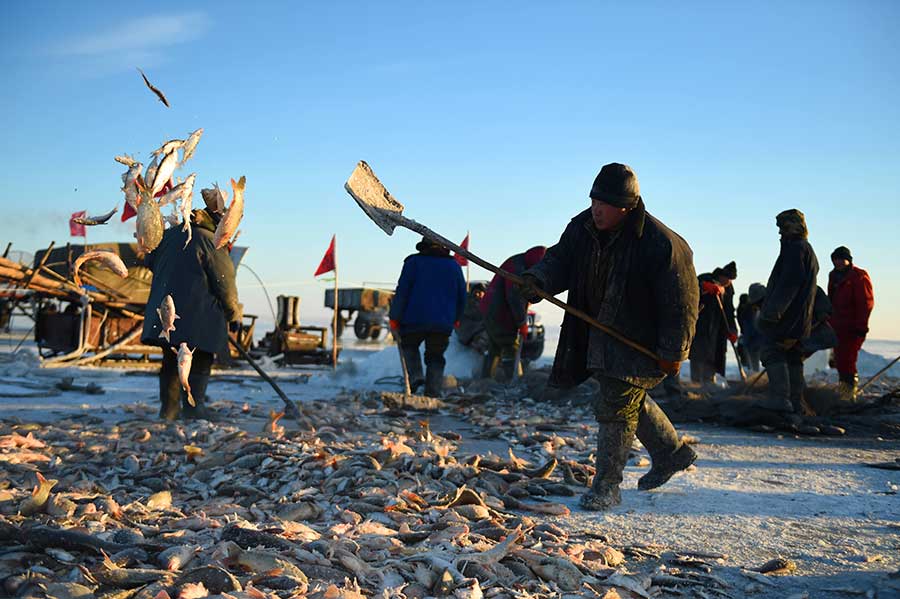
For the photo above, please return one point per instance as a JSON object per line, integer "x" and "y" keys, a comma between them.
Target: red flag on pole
{"x": 127, "y": 212}
{"x": 75, "y": 229}
{"x": 328, "y": 262}
{"x": 464, "y": 245}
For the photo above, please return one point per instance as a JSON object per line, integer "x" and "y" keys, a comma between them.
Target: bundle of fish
{"x": 364, "y": 504}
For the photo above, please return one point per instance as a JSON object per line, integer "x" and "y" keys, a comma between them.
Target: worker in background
{"x": 852, "y": 301}
{"x": 715, "y": 324}
{"x": 786, "y": 315}
{"x": 750, "y": 343}
{"x": 201, "y": 281}
{"x": 471, "y": 326}
{"x": 505, "y": 314}
{"x": 428, "y": 303}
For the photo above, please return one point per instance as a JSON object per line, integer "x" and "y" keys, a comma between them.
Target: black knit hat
{"x": 842, "y": 252}
{"x": 729, "y": 270}
{"x": 616, "y": 185}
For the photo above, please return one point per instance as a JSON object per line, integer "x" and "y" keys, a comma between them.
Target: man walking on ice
{"x": 632, "y": 273}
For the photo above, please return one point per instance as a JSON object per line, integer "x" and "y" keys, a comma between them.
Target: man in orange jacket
{"x": 852, "y": 300}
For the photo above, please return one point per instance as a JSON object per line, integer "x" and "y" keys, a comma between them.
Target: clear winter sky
{"x": 492, "y": 117}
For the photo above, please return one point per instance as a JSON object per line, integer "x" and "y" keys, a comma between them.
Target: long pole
{"x": 733, "y": 347}
{"x": 518, "y": 280}
{"x": 334, "y": 331}
{"x": 878, "y": 374}
{"x": 467, "y": 265}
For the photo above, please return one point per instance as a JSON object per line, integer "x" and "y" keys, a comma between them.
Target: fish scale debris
{"x": 365, "y": 504}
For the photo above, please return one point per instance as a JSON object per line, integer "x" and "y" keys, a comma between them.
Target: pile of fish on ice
{"x": 366, "y": 502}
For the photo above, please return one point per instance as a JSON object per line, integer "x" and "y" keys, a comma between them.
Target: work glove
{"x": 670, "y": 368}
{"x": 529, "y": 288}
{"x": 710, "y": 288}
{"x": 732, "y": 337}
{"x": 234, "y": 326}
{"x": 456, "y": 325}
{"x": 523, "y": 330}
{"x": 394, "y": 324}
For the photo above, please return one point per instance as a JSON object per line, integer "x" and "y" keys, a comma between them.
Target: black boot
{"x": 613, "y": 444}
{"x": 668, "y": 453}
{"x": 779, "y": 387}
{"x": 413, "y": 366}
{"x": 169, "y": 387}
{"x": 434, "y": 380}
{"x": 798, "y": 386}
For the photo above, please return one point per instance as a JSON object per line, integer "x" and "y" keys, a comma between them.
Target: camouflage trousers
{"x": 623, "y": 411}
{"x": 618, "y": 401}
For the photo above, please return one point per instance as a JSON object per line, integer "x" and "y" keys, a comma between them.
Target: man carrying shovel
{"x": 635, "y": 276}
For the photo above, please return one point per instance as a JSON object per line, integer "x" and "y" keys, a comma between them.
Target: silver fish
{"x": 169, "y": 146}
{"x": 96, "y": 220}
{"x": 185, "y": 357}
{"x": 164, "y": 172}
{"x": 125, "y": 159}
{"x": 191, "y": 144}
{"x": 167, "y": 317}
{"x": 149, "y": 219}
{"x": 187, "y": 198}
{"x": 229, "y": 223}
{"x": 129, "y": 186}
{"x": 109, "y": 259}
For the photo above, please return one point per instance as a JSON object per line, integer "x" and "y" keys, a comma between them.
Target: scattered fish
{"x": 191, "y": 144}
{"x": 109, "y": 259}
{"x": 164, "y": 173}
{"x": 126, "y": 160}
{"x": 159, "y": 94}
{"x": 229, "y": 223}
{"x": 149, "y": 220}
{"x": 96, "y": 220}
{"x": 185, "y": 357}
{"x": 167, "y": 317}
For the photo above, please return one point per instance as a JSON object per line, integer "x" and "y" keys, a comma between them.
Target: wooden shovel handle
{"x": 428, "y": 233}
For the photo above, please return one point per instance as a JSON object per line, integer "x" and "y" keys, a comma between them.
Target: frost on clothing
{"x": 430, "y": 295}
{"x": 639, "y": 280}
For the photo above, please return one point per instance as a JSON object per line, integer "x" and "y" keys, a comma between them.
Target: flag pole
{"x": 334, "y": 331}
{"x": 467, "y": 268}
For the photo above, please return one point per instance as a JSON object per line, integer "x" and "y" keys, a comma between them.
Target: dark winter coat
{"x": 201, "y": 281}
{"x": 472, "y": 321}
{"x": 639, "y": 281}
{"x": 787, "y": 312}
{"x": 503, "y": 307}
{"x": 751, "y": 338}
{"x": 821, "y": 335}
{"x": 430, "y": 295}
{"x": 852, "y": 300}
{"x": 711, "y": 338}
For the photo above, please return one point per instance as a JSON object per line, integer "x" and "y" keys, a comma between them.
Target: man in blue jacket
{"x": 427, "y": 305}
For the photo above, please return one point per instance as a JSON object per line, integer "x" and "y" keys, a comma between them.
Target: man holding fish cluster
{"x": 193, "y": 302}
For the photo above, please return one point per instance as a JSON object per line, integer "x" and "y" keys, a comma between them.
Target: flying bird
{"x": 159, "y": 94}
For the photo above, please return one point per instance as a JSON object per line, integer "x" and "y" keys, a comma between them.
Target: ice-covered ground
{"x": 752, "y": 496}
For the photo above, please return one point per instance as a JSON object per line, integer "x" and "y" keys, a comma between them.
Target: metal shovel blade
{"x": 376, "y": 201}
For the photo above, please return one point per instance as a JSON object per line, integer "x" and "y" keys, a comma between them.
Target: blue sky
{"x": 488, "y": 117}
